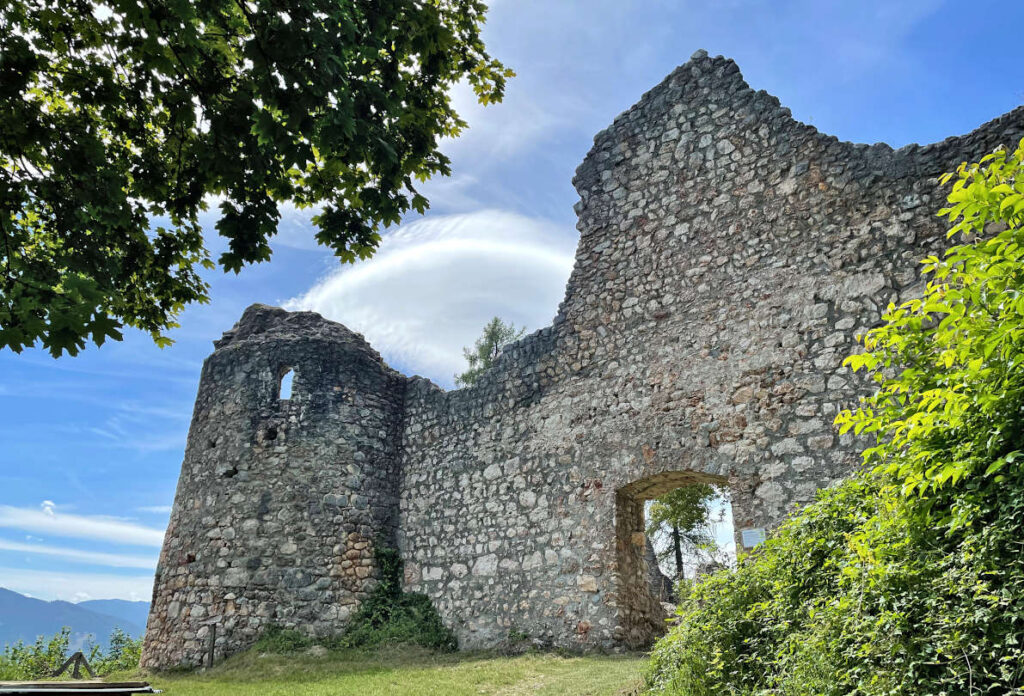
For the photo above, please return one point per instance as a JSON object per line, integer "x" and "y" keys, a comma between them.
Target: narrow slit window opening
{"x": 285, "y": 390}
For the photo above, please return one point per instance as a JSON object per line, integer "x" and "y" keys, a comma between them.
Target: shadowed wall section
{"x": 728, "y": 257}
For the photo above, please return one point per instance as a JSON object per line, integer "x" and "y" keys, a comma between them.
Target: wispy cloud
{"x": 114, "y": 560}
{"x": 155, "y": 442}
{"x": 434, "y": 283}
{"x": 155, "y": 509}
{"x": 522, "y": 120}
{"x": 50, "y": 521}
{"x": 143, "y": 428}
{"x": 116, "y": 433}
{"x": 75, "y": 587}
{"x": 139, "y": 412}
{"x": 168, "y": 370}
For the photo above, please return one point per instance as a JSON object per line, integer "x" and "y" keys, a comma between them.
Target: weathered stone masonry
{"x": 728, "y": 256}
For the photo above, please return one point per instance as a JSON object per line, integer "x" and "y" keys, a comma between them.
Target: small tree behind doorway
{"x": 680, "y": 526}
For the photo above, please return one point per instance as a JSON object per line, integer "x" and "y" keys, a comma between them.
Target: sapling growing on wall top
{"x": 486, "y": 349}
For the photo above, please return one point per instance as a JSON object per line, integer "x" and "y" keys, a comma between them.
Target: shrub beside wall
{"x": 41, "y": 659}
{"x": 907, "y": 578}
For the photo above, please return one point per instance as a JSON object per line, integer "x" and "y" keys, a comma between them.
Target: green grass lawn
{"x": 409, "y": 671}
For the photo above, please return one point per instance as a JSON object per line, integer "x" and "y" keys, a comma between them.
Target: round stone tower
{"x": 289, "y": 481}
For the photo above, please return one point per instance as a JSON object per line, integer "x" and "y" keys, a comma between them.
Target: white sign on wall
{"x": 752, "y": 537}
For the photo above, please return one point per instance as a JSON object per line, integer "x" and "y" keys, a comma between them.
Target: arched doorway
{"x": 641, "y": 612}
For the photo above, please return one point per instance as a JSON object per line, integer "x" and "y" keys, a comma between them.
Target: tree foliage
{"x": 121, "y": 119}
{"x": 954, "y": 405}
{"x": 678, "y": 523}
{"x": 486, "y": 348}
{"x": 906, "y": 578}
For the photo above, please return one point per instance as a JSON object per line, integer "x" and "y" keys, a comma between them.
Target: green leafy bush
{"x": 410, "y": 620}
{"x": 908, "y": 577}
{"x": 864, "y": 592}
{"x": 41, "y": 659}
{"x": 953, "y": 407}
{"x": 393, "y": 617}
{"x": 123, "y": 654}
{"x": 35, "y": 660}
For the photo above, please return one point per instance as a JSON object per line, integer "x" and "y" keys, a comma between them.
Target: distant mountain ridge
{"x": 25, "y": 619}
{"x": 134, "y": 612}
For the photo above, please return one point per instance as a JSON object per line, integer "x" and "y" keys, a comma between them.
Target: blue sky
{"x": 92, "y": 445}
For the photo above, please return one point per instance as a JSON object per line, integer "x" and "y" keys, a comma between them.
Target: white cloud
{"x": 114, "y": 560}
{"x": 51, "y": 522}
{"x": 156, "y": 509}
{"x": 521, "y": 120}
{"x": 458, "y": 193}
{"x": 155, "y": 442}
{"x": 434, "y": 283}
{"x": 75, "y": 587}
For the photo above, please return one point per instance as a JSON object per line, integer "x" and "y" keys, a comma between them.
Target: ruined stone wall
{"x": 279, "y": 502}
{"x": 728, "y": 256}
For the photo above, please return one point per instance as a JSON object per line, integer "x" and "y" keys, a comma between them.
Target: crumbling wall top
{"x": 262, "y": 322}
{"x": 718, "y": 81}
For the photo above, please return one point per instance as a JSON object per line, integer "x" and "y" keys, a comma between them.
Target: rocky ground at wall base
{"x": 409, "y": 671}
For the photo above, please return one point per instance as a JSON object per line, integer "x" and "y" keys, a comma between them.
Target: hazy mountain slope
{"x": 24, "y": 618}
{"x": 134, "y": 612}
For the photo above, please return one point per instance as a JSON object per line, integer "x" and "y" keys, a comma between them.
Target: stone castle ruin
{"x": 728, "y": 256}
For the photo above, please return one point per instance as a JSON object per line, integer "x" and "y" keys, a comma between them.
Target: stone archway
{"x": 641, "y": 616}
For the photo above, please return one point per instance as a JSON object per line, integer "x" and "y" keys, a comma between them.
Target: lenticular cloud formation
{"x": 434, "y": 283}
